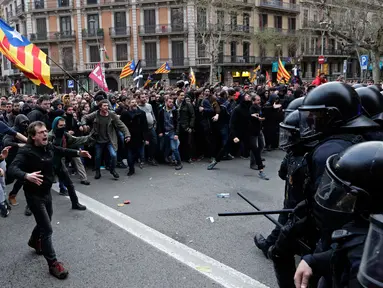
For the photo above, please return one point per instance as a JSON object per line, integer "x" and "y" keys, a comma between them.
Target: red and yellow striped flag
{"x": 282, "y": 72}
{"x": 164, "y": 69}
{"x": 128, "y": 69}
{"x": 27, "y": 57}
{"x": 192, "y": 77}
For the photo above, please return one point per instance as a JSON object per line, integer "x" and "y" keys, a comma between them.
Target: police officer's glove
{"x": 302, "y": 209}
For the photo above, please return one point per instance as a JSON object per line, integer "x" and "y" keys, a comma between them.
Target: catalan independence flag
{"x": 192, "y": 77}
{"x": 147, "y": 82}
{"x": 282, "y": 72}
{"x": 27, "y": 57}
{"x": 164, "y": 69}
{"x": 128, "y": 69}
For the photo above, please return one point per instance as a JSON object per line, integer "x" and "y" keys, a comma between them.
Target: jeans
{"x": 133, "y": 153}
{"x": 171, "y": 144}
{"x": 64, "y": 179}
{"x": 112, "y": 153}
{"x": 224, "y": 132}
{"x": 152, "y": 143}
{"x": 41, "y": 208}
{"x": 257, "y": 143}
{"x": 121, "y": 147}
{"x": 16, "y": 187}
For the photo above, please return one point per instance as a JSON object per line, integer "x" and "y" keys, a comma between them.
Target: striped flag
{"x": 282, "y": 72}
{"x": 268, "y": 80}
{"x": 255, "y": 73}
{"x": 192, "y": 77}
{"x": 164, "y": 69}
{"x": 27, "y": 57}
{"x": 128, "y": 69}
{"x": 147, "y": 82}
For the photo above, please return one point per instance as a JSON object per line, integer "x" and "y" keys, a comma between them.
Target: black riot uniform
{"x": 293, "y": 105}
{"x": 350, "y": 190}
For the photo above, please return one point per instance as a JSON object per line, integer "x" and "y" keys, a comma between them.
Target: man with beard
{"x": 14, "y": 112}
{"x": 135, "y": 120}
{"x": 34, "y": 165}
{"x": 40, "y": 112}
{"x": 21, "y": 125}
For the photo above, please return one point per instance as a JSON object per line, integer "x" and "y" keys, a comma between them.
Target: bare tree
{"x": 357, "y": 25}
{"x": 215, "y": 25}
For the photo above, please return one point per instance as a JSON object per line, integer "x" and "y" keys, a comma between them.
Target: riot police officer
{"x": 293, "y": 105}
{"x": 349, "y": 192}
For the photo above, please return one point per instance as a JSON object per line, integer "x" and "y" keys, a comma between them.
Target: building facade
{"x": 71, "y": 33}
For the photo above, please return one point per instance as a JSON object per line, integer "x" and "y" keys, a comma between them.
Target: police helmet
{"x": 289, "y": 131}
{"x": 356, "y": 86}
{"x": 352, "y": 181}
{"x": 375, "y": 87}
{"x": 332, "y": 106}
{"x": 293, "y": 105}
{"x": 372, "y": 102}
{"x": 370, "y": 272}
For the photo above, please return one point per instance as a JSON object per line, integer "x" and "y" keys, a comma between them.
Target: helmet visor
{"x": 287, "y": 137}
{"x": 333, "y": 195}
{"x": 312, "y": 122}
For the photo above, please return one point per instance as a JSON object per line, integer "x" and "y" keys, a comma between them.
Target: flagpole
{"x": 135, "y": 69}
{"x": 69, "y": 75}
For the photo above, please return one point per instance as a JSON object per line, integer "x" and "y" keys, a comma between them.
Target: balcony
{"x": 11, "y": 17}
{"x": 161, "y": 29}
{"x": 279, "y": 5}
{"x": 244, "y": 3}
{"x": 41, "y": 37}
{"x": 70, "y": 67}
{"x": 174, "y": 63}
{"x": 227, "y": 29}
{"x": 113, "y": 65}
{"x": 330, "y": 52}
{"x": 96, "y": 3}
{"x": 20, "y": 10}
{"x": 93, "y": 34}
{"x": 236, "y": 60}
{"x": 287, "y": 32}
{"x": 119, "y": 32}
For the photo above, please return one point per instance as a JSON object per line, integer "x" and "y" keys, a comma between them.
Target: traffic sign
{"x": 321, "y": 59}
{"x": 364, "y": 62}
{"x": 70, "y": 83}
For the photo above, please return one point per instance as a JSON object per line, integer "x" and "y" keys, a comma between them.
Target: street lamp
{"x": 101, "y": 50}
{"x": 325, "y": 25}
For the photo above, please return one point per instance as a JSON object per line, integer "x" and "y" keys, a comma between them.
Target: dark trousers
{"x": 186, "y": 145}
{"x": 153, "y": 142}
{"x": 256, "y": 145}
{"x": 134, "y": 153}
{"x": 41, "y": 208}
{"x": 64, "y": 178}
{"x": 16, "y": 188}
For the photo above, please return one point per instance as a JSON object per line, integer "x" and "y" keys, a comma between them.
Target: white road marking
{"x": 220, "y": 273}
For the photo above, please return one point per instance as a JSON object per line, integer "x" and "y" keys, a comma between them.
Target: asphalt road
{"x": 177, "y": 204}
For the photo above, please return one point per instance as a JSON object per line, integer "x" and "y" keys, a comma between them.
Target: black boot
{"x": 98, "y": 174}
{"x": 78, "y": 206}
{"x": 115, "y": 174}
{"x": 261, "y": 243}
{"x": 27, "y": 211}
{"x": 131, "y": 172}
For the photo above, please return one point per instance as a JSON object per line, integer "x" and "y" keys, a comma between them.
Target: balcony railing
{"x": 279, "y": 5}
{"x": 103, "y": 2}
{"x": 327, "y": 52}
{"x": 116, "y": 32}
{"x": 93, "y": 33}
{"x": 175, "y": 62}
{"x": 53, "y": 36}
{"x": 162, "y": 29}
{"x": 20, "y": 10}
{"x": 278, "y": 31}
{"x": 228, "y": 28}
{"x": 70, "y": 67}
{"x": 228, "y": 59}
{"x": 113, "y": 65}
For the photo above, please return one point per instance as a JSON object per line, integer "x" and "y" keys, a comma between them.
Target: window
{"x": 201, "y": 18}
{"x": 246, "y": 51}
{"x": 278, "y": 22}
{"x": 120, "y": 23}
{"x": 65, "y": 26}
{"x": 121, "y": 52}
{"x": 262, "y": 50}
{"x": 41, "y": 28}
{"x": 63, "y": 3}
{"x": 24, "y": 24}
{"x": 233, "y": 51}
{"x": 94, "y": 54}
{"x": 201, "y": 49}
{"x": 292, "y": 23}
{"x": 93, "y": 24}
{"x": 178, "y": 53}
{"x": 67, "y": 58}
{"x": 220, "y": 20}
{"x": 150, "y": 20}
{"x": 246, "y": 22}
{"x": 5, "y": 63}
{"x": 92, "y": 2}
{"x": 39, "y": 4}
{"x": 11, "y": 10}
{"x": 177, "y": 18}
{"x": 305, "y": 18}
{"x": 233, "y": 21}
{"x": 292, "y": 50}
{"x": 45, "y": 50}
{"x": 151, "y": 54}
{"x": 6, "y": 14}
{"x": 263, "y": 21}
{"x": 220, "y": 51}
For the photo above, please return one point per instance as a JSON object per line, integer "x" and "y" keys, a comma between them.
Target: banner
{"x": 97, "y": 76}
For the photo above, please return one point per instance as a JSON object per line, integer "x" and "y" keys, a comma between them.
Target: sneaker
{"x": 262, "y": 175}
{"x": 4, "y": 212}
{"x": 121, "y": 165}
{"x": 12, "y": 200}
{"x": 63, "y": 192}
{"x": 85, "y": 182}
{"x": 36, "y": 244}
{"x": 115, "y": 174}
{"x": 141, "y": 165}
{"x": 27, "y": 211}
{"x": 57, "y": 269}
{"x": 178, "y": 166}
{"x": 212, "y": 165}
{"x": 261, "y": 244}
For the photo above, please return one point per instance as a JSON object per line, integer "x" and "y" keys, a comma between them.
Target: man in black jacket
{"x": 34, "y": 164}
{"x": 40, "y": 112}
{"x": 168, "y": 131}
